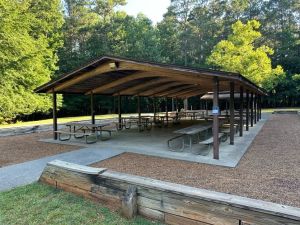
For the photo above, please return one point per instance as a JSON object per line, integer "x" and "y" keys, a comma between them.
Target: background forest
{"x": 41, "y": 39}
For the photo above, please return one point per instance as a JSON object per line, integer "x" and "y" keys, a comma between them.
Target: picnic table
{"x": 79, "y": 130}
{"x": 193, "y": 114}
{"x": 189, "y": 132}
{"x": 145, "y": 122}
{"x": 163, "y": 120}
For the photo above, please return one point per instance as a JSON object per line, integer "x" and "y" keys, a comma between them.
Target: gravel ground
{"x": 270, "y": 170}
{"x": 22, "y": 148}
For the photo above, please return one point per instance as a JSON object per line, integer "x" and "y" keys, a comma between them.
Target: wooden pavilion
{"x": 115, "y": 76}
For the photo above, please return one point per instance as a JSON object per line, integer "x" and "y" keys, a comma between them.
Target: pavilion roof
{"x": 122, "y": 76}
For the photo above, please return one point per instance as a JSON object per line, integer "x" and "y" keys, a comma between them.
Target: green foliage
{"x": 239, "y": 54}
{"x": 29, "y": 34}
{"x": 37, "y": 204}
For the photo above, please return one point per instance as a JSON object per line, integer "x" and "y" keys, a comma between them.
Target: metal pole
{"x": 247, "y": 110}
{"x": 241, "y": 111}
{"x": 54, "y": 116}
{"x": 231, "y": 108}
{"x": 216, "y": 119}
{"x": 92, "y": 109}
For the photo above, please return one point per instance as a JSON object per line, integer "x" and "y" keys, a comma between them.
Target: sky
{"x": 153, "y": 9}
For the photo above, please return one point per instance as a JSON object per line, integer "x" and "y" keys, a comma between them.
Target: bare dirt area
{"x": 270, "y": 170}
{"x": 22, "y": 148}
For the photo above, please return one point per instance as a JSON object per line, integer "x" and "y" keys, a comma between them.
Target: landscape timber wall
{"x": 167, "y": 202}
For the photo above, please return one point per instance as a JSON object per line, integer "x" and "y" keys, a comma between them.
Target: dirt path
{"x": 270, "y": 170}
{"x": 22, "y": 148}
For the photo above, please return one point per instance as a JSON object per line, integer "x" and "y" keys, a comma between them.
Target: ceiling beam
{"x": 135, "y": 89}
{"x": 192, "y": 94}
{"x": 127, "y": 78}
{"x": 169, "y": 92}
{"x": 100, "y": 69}
{"x": 159, "y": 89}
{"x": 183, "y": 92}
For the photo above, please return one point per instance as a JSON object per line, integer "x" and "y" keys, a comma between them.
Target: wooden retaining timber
{"x": 167, "y": 202}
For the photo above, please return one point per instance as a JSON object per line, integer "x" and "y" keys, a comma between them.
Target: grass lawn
{"x": 39, "y": 204}
{"x": 60, "y": 120}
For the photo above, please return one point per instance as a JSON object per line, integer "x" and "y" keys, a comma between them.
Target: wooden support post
{"x": 231, "y": 108}
{"x": 139, "y": 112}
{"x": 255, "y": 108}
{"x": 154, "y": 109}
{"x": 167, "y": 112}
{"x": 251, "y": 104}
{"x": 119, "y": 112}
{"x": 173, "y": 105}
{"x": 54, "y": 116}
{"x": 247, "y": 110}
{"x": 216, "y": 119}
{"x": 258, "y": 106}
{"x": 92, "y": 109}
{"x": 241, "y": 111}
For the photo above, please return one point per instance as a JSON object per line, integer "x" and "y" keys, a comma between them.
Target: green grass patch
{"x": 38, "y": 204}
{"x": 280, "y": 109}
{"x": 60, "y": 120}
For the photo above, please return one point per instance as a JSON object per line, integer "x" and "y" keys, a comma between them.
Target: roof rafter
{"x": 159, "y": 89}
{"x": 134, "y": 90}
{"x": 173, "y": 91}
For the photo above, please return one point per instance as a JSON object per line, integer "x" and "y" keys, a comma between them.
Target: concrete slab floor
{"x": 154, "y": 143}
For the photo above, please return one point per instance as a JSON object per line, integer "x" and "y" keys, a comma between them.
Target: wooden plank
{"x": 183, "y": 210}
{"x": 68, "y": 177}
{"x": 135, "y": 89}
{"x": 76, "y": 167}
{"x": 174, "y": 91}
{"x": 120, "y": 81}
{"x": 192, "y": 205}
{"x": 194, "y": 93}
{"x": 178, "y": 220}
{"x": 158, "y": 89}
{"x": 104, "y": 68}
{"x": 202, "y": 194}
{"x": 151, "y": 213}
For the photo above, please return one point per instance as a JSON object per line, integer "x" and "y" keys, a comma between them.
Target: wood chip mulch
{"x": 270, "y": 170}
{"x": 22, "y": 148}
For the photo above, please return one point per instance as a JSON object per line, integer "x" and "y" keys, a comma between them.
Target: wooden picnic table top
{"x": 193, "y": 129}
{"x": 89, "y": 125}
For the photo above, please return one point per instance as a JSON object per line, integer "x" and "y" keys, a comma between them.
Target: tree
{"x": 239, "y": 54}
{"x": 30, "y": 37}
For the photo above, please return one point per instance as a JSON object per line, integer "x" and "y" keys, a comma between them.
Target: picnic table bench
{"x": 69, "y": 135}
